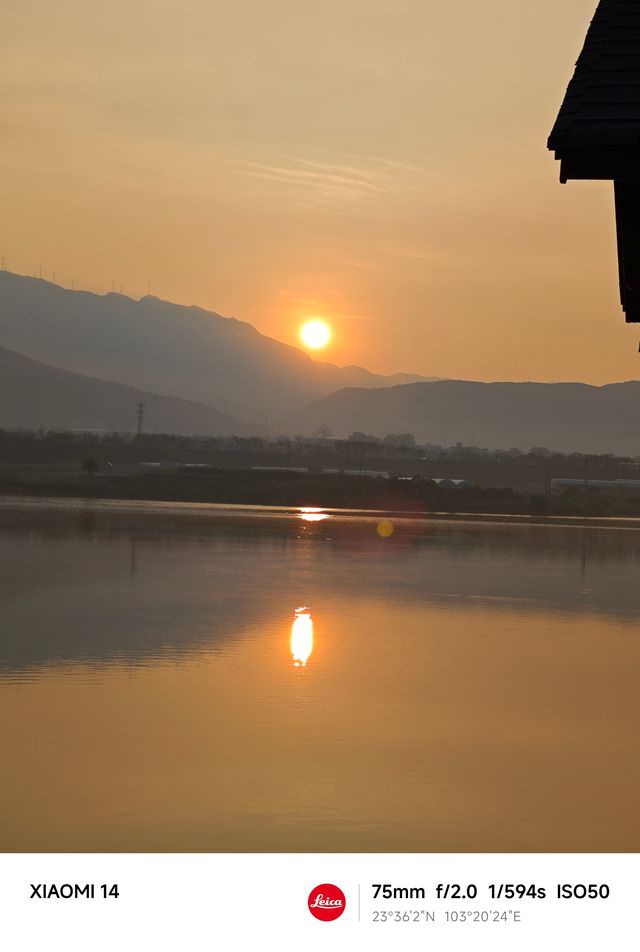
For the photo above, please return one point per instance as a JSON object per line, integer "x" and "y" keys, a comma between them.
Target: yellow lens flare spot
{"x": 385, "y": 529}
{"x": 315, "y": 334}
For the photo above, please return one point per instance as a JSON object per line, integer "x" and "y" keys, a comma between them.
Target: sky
{"x": 381, "y": 164}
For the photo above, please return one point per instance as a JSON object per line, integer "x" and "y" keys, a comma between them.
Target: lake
{"x": 179, "y": 677}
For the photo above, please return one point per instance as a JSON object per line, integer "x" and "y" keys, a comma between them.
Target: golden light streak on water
{"x": 301, "y": 637}
{"x": 311, "y": 514}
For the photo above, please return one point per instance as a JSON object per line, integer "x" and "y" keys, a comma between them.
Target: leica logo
{"x": 321, "y": 901}
{"x": 326, "y": 902}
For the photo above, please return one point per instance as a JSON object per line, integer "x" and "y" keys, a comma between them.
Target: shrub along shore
{"x": 322, "y": 490}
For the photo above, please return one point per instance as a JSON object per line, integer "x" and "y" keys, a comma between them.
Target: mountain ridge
{"x": 167, "y": 348}
{"x": 34, "y": 394}
{"x": 570, "y": 416}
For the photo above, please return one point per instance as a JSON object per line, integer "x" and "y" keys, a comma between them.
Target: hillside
{"x": 33, "y": 395}
{"x": 565, "y": 416}
{"x": 168, "y": 348}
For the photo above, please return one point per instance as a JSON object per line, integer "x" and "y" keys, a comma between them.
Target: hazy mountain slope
{"x": 167, "y": 348}
{"x": 565, "y": 416}
{"x": 33, "y": 394}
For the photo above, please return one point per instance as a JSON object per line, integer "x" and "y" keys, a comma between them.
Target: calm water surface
{"x": 206, "y": 678}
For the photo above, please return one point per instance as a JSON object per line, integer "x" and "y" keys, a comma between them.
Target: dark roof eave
{"x": 598, "y": 163}
{"x": 600, "y": 112}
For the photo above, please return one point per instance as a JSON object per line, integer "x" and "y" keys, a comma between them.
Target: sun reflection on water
{"x": 301, "y": 637}
{"x": 312, "y": 514}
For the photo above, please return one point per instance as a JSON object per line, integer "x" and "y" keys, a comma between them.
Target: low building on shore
{"x": 611, "y": 485}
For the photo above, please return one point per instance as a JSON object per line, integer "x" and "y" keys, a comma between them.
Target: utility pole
{"x": 141, "y": 409}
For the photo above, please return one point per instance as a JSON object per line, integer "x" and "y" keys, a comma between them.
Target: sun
{"x": 315, "y": 334}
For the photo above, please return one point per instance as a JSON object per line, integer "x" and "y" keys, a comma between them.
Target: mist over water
{"x": 207, "y": 678}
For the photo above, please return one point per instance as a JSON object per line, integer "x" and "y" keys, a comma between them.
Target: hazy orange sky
{"x": 381, "y": 163}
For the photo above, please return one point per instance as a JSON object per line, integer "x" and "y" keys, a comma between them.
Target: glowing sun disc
{"x": 315, "y": 334}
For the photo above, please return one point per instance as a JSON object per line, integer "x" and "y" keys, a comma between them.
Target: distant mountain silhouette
{"x": 169, "y": 349}
{"x": 33, "y": 394}
{"x": 572, "y": 417}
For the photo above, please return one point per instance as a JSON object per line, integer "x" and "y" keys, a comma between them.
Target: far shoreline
{"x": 243, "y": 511}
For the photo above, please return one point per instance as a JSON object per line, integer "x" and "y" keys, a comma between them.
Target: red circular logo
{"x": 326, "y": 902}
